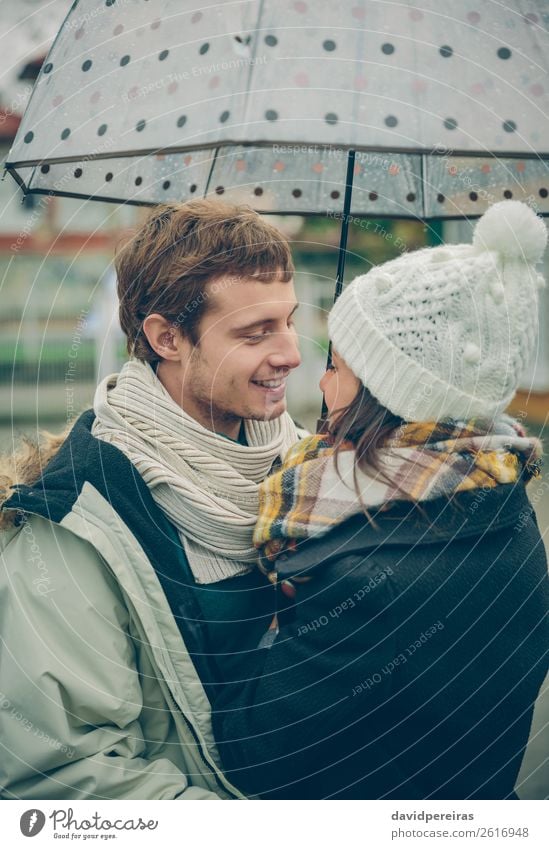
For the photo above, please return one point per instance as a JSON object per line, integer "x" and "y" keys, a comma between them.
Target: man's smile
{"x": 273, "y": 389}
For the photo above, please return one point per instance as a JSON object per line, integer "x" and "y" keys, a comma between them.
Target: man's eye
{"x": 256, "y": 338}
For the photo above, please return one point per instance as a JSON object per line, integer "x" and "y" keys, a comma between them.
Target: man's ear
{"x": 164, "y": 337}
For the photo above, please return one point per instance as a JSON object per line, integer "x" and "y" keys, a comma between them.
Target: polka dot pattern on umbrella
{"x": 117, "y": 88}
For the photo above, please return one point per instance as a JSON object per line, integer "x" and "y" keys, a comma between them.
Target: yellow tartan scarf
{"x": 308, "y": 495}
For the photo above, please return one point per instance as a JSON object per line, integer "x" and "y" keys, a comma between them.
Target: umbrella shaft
{"x": 321, "y": 422}
{"x": 345, "y": 224}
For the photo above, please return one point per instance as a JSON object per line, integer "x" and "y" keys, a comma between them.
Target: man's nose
{"x": 285, "y": 353}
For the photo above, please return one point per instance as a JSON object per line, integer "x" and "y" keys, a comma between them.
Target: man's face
{"x": 247, "y": 347}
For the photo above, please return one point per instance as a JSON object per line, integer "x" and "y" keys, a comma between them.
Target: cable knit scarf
{"x": 426, "y": 460}
{"x": 207, "y": 484}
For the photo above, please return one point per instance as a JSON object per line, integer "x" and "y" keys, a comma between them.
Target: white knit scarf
{"x": 207, "y": 484}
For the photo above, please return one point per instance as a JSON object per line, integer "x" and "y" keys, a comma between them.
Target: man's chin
{"x": 269, "y": 412}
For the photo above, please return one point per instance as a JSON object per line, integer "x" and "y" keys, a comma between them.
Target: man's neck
{"x": 241, "y": 439}
{"x": 228, "y": 430}
{"x": 228, "y": 426}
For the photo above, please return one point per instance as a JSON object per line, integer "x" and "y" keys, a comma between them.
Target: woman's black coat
{"x": 410, "y": 664}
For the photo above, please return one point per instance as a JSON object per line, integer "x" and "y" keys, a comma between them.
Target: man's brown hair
{"x": 165, "y": 267}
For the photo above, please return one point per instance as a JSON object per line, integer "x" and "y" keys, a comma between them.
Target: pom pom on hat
{"x": 471, "y": 354}
{"x": 513, "y": 230}
{"x": 383, "y": 283}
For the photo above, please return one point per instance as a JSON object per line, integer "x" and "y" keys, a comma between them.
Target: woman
{"x": 410, "y": 658}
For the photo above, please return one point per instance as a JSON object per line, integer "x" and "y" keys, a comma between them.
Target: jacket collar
{"x": 467, "y": 514}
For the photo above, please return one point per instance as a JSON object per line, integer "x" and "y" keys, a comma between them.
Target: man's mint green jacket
{"x": 99, "y": 696}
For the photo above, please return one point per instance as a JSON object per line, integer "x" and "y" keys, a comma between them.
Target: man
{"x": 128, "y": 576}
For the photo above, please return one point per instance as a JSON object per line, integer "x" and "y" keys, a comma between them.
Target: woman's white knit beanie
{"x": 447, "y": 332}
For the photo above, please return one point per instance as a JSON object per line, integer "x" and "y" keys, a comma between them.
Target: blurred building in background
{"x": 57, "y": 293}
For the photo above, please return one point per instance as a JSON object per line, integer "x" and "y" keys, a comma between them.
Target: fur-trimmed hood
{"x": 25, "y": 466}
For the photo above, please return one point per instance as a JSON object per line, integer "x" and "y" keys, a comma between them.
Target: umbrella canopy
{"x": 445, "y": 104}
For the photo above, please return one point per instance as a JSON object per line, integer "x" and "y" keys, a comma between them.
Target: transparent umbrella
{"x": 446, "y": 106}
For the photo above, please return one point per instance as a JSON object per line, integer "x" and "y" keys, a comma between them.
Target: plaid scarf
{"x": 313, "y": 490}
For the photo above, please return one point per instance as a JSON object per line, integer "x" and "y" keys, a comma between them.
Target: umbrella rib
{"x": 208, "y": 181}
{"x": 251, "y": 65}
{"x": 218, "y": 145}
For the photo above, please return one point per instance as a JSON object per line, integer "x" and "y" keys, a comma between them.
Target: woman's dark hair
{"x": 368, "y": 425}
